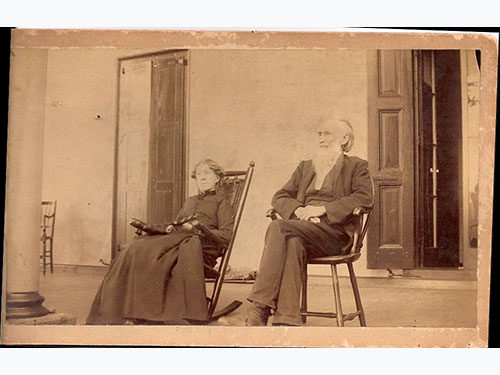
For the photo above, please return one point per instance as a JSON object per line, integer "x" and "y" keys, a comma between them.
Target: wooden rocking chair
{"x": 234, "y": 187}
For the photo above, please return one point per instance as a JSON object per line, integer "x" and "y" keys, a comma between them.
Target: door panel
{"x": 390, "y": 123}
{"x": 390, "y": 217}
{"x": 150, "y": 175}
{"x": 390, "y": 110}
{"x": 166, "y": 188}
{"x": 132, "y": 147}
{"x": 389, "y": 73}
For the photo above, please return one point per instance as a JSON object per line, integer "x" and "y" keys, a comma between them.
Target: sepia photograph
{"x": 219, "y": 188}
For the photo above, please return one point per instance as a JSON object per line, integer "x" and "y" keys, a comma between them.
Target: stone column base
{"x": 25, "y": 305}
{"x": 51, "y": 319}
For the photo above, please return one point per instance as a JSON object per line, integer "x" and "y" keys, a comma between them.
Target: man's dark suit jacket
{"x": 352, "y": 187}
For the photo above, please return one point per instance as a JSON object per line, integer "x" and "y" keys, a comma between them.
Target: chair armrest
{"x": 271, "y": 213}
{"x": 208, "y": 234}
{"x": 358, "y": 211}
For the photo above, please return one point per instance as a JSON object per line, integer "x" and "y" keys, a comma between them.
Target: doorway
{"x": 150, "y": 171}
{"x": 438, "y": 158}
{"x": 415, "y": 153}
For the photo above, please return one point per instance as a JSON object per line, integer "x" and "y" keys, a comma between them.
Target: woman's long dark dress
{"x": 161, "y": 278}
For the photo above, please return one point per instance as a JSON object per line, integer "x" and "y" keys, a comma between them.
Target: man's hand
{"x": 299, "y": 212}
{"x": 308, "y": 212}
{"x": 314, "y": 211}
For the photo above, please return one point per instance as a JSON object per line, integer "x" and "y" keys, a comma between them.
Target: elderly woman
{"x": 160, "y": 279}
{"x": 316, "y": 206}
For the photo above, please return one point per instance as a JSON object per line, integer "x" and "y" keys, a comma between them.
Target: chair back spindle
{"x": 362, "y": 220}
{"x": 235, "y": 188}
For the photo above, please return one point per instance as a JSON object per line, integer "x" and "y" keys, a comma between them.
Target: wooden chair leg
{"x": 215, "y": 293}
{"x": 303, "y": 305}
{"x": 336, "y": 292}
{"x": 357, "y": 296}
{"x": 43, "y": 256}
{"x": 51, "y": 254}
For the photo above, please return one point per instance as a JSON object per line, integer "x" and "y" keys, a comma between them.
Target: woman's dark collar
{"x": 202, "y": 194}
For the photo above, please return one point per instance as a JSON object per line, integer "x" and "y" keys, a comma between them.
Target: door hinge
{"x": 123, "y": 70}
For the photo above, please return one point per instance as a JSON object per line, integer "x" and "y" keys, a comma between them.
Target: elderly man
{"x": 316, "y": 206}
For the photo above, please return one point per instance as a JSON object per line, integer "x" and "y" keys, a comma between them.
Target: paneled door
{"x": 391, "y": 242}
{"x": 132, "y": 147}
{"x": 167, "y": 151}
{"x": 150, "y": 150}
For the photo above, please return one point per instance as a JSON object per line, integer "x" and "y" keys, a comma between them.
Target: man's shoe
{"x": 257, "y": 314}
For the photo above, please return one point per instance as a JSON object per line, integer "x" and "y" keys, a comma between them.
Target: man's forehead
{"x": 330, "y": 126}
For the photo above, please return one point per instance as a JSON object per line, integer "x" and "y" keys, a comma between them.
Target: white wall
{"x": 79, "y": 151}
{"x": 243, "y": 105}
{"x": 259, "y": 105}
{"x": 470, "y": 130}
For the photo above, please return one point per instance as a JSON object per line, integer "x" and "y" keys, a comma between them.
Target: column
{"x": 24, "y": 182}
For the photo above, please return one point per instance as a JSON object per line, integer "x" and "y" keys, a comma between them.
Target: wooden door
{"x": 134, "y": 105}
{"x": 391, "y": 242}
{"x": 167, "y": 151}
{"x": 150, "y": 154}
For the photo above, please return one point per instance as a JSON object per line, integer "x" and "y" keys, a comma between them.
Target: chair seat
{"x": 335, "y": 259}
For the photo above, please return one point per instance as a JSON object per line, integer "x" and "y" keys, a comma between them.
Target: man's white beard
{"x": 323, "y": 161}
{"x": 325, "y": 157}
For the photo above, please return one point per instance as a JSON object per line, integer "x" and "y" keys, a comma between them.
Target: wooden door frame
{"x": 417, "y": 113}
{"x": 152, "y": 55}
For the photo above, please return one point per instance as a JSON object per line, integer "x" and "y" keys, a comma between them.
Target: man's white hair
{"x": 341, "y": 125}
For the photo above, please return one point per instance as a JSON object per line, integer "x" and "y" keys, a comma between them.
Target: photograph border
{"x": 287, "y": 336}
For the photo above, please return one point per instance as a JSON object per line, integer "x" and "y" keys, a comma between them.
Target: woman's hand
{"x": 187, "y": 227}
{"x": 169, "y": 228}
